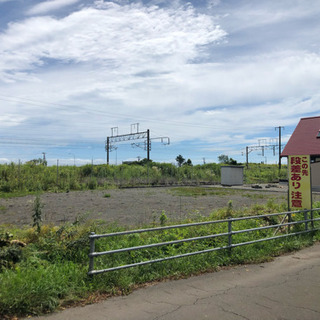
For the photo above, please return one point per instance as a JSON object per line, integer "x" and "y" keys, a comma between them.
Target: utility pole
{"x": 279, "y": 128}
{"x": 19, "y": 176}
{"x": 247, "y": 156}
{"x": 44, "y": 159}
{"x": 57, "y": 171}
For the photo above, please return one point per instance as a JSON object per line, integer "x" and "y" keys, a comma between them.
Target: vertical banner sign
{"x": 300, "y": 197}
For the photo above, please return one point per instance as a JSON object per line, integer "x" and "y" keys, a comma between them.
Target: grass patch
{"x": 51, "y": 270}
{"x": 189, "y": 191}
{"x": 16, "y": 194}
{"x": 203, "y": 191}
{"x": 216, "y": 191}
{"x": 30, "y": 290}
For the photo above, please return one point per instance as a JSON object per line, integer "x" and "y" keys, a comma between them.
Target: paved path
{"x": 287, "y": 288}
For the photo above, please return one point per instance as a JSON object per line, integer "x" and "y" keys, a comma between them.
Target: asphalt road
{"x": 287, "y": 288}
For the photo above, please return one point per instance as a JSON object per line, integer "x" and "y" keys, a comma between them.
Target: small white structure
{"x": 232, "y": 175}
{"x": 315, "y": 176}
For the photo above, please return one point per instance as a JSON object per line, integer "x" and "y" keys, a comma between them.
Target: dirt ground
{"x": 136, "y": 206}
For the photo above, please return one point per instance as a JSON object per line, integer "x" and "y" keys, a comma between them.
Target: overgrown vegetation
{"x": 261, "y": 173}
{"x": 21, "y": 179}
{"x": 45, "y": 269}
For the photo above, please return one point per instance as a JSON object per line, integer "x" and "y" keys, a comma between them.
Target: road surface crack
{"x": 232, "y": 312}
{"x": 167, "y": 313}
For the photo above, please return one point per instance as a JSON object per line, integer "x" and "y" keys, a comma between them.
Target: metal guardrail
{"x": 306, "y": 221}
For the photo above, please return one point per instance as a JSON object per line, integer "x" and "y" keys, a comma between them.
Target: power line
{"x": 99, "y": 112}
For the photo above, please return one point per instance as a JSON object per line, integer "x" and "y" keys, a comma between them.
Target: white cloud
{"x": 99, "y": 53}
{"x": 127, "y": 36}
{"x": 214, "y": 102}
{"x": 111, "y": 65}
{"x": 11, "y": 120}
{"x": 253, "y": 14}
{"x": 50, "y": 5}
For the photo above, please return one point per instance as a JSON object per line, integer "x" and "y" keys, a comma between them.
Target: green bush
{"x": 92, "y": 184}
{"x": 9, "y": 256}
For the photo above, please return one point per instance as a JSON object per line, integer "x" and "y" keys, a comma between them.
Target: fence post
{"x": 289, "y": 220}
{"x": 305, "y": 214}
{"x": 311, "y": 218}
{"x": 92, "y": 248}
{"x": 229, "y": 234}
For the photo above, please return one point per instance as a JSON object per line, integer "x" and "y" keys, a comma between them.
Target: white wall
{"x": 232, "y": 175}
{"x": 315, "y": 176}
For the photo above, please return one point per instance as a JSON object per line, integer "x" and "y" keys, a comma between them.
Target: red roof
{"x": 305, "y": 139}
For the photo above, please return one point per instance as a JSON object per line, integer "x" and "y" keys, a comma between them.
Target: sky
{"x": 213, "y": 76}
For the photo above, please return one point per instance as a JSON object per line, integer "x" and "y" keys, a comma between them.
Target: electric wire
{"x": 94, "y": 111}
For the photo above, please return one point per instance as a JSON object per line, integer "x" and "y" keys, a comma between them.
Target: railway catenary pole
{"x": 108, "y": 149}
{"x": 258, "y": 148}
{"x": 148, "y": 144}
{"x": 145, "y": 135}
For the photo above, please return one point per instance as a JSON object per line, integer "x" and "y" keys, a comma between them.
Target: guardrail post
{"x": 305, "y": 214}
{"x": 92, "y": 249}
{"x": 229, "y": 234}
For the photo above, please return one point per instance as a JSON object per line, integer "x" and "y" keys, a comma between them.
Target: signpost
{"x": 300, "y": 195}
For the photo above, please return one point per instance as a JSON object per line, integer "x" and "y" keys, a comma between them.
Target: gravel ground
{"x": 135, "y": 206}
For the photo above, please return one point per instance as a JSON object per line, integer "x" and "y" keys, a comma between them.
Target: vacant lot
{"x": 136, "y": 206}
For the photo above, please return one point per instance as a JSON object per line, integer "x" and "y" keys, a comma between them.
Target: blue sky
{"x": 214, "y": 76}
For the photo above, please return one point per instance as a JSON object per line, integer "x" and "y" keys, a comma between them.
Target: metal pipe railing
{"x": 121, "y": 233}
{"x": 229, "y": 235}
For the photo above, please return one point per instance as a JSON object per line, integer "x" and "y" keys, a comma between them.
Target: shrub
{"x": 92, "y": 184}
{"x": 163, "y": 218}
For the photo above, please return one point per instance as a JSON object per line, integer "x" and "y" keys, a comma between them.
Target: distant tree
{"x": 37, "y": 161}
{"x": 180, "y": 159}
{"x": 188, "y": 162}
{"x": 145, "y": 161}
{"x": 223, "y": 158}
{"x": 233, "y": 162}
{"x": 142, "y": 162}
